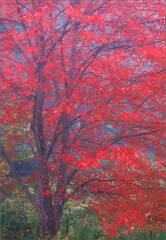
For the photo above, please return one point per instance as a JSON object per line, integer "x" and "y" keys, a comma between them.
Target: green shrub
{"x": 18, "y": 220}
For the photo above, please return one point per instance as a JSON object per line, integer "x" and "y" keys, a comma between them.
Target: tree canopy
{"x": 82, "y": 94}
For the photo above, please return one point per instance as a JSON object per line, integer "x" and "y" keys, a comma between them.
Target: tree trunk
{"x": 51, "y": 224}
{"x": 50, "y": 219}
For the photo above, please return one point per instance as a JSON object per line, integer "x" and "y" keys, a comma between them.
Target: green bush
{"x": 18, "y": 221}
{"x": 80, "y": 224}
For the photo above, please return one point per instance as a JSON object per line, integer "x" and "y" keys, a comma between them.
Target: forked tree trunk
{"x": 50, "y": 216}
{"x": 50, "y": 221}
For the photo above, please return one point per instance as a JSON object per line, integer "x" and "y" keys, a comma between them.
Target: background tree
{"x": 82, "y": 91}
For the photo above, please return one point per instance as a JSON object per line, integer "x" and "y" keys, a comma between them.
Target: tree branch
{"x": 87, "y": 182}
{"x": 133, "y": 135}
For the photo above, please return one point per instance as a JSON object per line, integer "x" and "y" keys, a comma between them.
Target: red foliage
{"x": 82, "y": 88}
{"x": 135, "y": 201}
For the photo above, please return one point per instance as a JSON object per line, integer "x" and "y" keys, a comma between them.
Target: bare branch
{"x": 133, "y": 135}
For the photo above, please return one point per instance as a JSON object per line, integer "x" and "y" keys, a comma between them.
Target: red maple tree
{"x": 82, "y": 90}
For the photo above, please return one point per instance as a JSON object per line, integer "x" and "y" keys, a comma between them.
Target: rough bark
{"x": 50, "y": 217}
